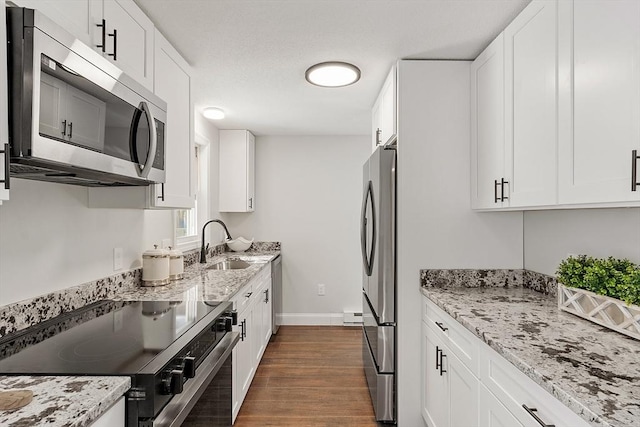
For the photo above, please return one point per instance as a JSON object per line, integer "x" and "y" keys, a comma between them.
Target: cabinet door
{"x": 376, "y": 124}
{"x": 236, "y": 168}
{"x": 85, "y": 116}
{"x": 129, "y": 42}
{"x": 79, "y": 17}
{"x": 493, "y": 413}
{"x": 531, "y": 105}
{"x": 53, "y": 119}
{"x": 388, "y": 108}
{"x": 487, "y": 126}
{"x": 4, "y": 124}
{"x": 595, "y": 161}
{"x": 251, "y": 172}
{"x": 243, "y": 362}
{"x": 435, "y": 390}
{"x": 463, "y": 392}
{"x": 173, "y": 84}
{"x": 113, "y": 417}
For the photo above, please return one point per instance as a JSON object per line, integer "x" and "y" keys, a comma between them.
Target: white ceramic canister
{"x": 155, "y": 267}
{"x": 176, "y": 264}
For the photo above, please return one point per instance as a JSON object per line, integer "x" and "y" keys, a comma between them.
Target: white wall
{"x": 549, "y": 236}
{"x": 50, "y": 239}
{"x": 436, "y": 227}
{"x": 308, "y": 197}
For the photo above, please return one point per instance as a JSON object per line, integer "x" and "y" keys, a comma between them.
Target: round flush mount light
{"x": 332, "y": 74}
{"x": 213, "y": 113}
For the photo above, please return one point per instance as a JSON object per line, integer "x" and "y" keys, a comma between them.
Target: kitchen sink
{"x": 235, "y": 264}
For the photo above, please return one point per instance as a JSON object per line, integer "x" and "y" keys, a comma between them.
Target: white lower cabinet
{"x": 114, "y": 417}
{"x": 493, "y": 413}
{"x": 450, "y": 395}
{"x": 484, "y": 390}
{"x": 252, "y": 303}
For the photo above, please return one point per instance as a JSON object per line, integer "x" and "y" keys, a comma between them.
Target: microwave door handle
{"x": 153, "y": 138}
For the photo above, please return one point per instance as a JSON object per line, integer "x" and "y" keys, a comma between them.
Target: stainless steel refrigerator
{"x": 378, "y": 233}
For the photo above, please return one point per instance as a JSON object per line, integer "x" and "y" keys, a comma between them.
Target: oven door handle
{"x": 176, "y": 411}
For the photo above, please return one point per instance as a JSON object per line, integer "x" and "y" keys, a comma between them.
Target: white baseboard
{"x": 309, "y": 319}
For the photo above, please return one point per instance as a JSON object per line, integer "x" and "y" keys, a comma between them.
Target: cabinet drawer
{"x": 514, "y": 389}
{"x": 462, "y": 342}
{"x": 242, "y": 299}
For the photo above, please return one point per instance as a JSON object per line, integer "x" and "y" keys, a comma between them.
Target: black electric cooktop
{"x": 106, "y": 338}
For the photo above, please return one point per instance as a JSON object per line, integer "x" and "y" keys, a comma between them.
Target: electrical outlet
{"x": 117, "y": 259}
{"x": 321, "y": 289}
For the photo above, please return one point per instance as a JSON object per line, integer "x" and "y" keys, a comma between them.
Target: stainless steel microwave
{"x": 74, "y": 117}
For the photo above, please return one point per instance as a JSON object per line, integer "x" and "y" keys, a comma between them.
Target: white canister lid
{"x": 174, "y": 253}
{"x": 155, "y": 253}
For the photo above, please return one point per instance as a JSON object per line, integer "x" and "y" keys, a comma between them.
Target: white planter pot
{"x": 605, "y": 311}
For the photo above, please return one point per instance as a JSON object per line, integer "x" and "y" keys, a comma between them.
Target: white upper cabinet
{"x": 237, "y": 171}
{"x": 4, "y": 111}
{"x": 531, "y": 112}
{"x": 79, "y": 17}
{"x": 383, "y": 114}
{"x": 173, "y": 85}
{"x": 129, "y": 39}
{"x": 118, "y": 29}
{"x": 595, "y": 153}
{"x": 489, "y": 188}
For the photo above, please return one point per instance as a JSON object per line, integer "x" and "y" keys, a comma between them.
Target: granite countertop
{"x": 592, "y": 370}
{"x": 78, "y": 401}
{"x": 202, "y": 284}
{"x": 62, "y": 401}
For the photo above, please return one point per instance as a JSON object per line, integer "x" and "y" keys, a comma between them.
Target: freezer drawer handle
{"x": 440, "y": 325}
{"x": 7, "y": 155}
{"x": 634, "y": 170}
{"x": 532, "y": 412}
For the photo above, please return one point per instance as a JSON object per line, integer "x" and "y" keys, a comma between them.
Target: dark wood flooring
{"x": 310, "y": 376}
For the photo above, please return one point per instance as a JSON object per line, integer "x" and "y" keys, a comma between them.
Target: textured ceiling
{"x": 249, "y": 56}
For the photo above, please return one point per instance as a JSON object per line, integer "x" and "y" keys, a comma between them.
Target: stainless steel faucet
{"x": 203, "y": 249}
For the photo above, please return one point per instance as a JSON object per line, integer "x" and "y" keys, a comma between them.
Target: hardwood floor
{"x": 310, "y": 376}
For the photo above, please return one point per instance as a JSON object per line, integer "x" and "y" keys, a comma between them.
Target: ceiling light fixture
{"x": 332, "y": 74}
{"x": 213, "y": 113}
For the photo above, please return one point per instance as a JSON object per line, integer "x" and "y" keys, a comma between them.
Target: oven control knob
{"x": 176, "y": 381}
{"x": 189, "y": 367}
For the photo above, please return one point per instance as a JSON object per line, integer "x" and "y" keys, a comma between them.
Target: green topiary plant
{"x": 616, "y": 278}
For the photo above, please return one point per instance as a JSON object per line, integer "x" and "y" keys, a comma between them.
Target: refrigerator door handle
{"x": 367, "y": 258}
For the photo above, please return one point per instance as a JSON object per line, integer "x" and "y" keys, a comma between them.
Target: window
{"x": 186, "y": 220}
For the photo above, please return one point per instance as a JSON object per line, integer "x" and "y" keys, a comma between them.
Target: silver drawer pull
{"x": 532, "y": 412}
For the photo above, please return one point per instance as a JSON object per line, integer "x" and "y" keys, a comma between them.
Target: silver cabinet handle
{"x": 634, "y": 170}
{"x": 153, "y": 138}
{"x": 532, "y": 412}
{"x": 7, "y": 156}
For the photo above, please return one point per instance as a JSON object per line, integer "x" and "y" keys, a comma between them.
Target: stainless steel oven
{"x": 75, "y": 117}
{"x": 175, "y": 352}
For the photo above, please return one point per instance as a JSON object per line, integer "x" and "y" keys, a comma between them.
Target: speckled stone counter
{"x": 203, "y": 284}
{"x": 592, "y": 370}
{"x": 62, "y": 401}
